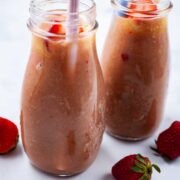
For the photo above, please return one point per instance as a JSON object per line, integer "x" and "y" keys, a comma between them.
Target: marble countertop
{"x": 15, "y": 43}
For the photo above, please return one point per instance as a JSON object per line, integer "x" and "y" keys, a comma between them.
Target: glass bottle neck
{"x": 45, "y": 14}
{"x": 142, "y": 8}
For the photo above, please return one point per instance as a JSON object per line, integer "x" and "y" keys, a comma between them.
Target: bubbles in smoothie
{"x": 39, "y": 66}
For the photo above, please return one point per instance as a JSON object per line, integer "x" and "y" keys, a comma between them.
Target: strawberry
{"x": 168, "y": 142}
{"x": 58, "y": 29}
{"x": 8, "y": 136}
{"x": 55, "y": 29}
{"x": 125, "y": 57}
{"x": 134, "y": 167}
{"x": 143, "y": 5}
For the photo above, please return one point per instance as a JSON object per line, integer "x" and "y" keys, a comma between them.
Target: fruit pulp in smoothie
{"x": 135, "y": 64}
{"x": 62, "y": 103}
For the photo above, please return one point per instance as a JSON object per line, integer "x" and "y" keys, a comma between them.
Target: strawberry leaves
{"x": 144, "y": 177}
{"x": 144, "y": 166}
{"x": 137, "y": 169}
{"x": 140, "y": 158}
{"x": 156, "y": 168}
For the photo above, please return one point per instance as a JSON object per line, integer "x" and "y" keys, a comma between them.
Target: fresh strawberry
{"x": 8, "y": 136}
{"x": 134, "y": 167}
{"x": 168, "y": 142}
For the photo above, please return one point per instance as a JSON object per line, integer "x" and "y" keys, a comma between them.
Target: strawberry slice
{"x": 81, "y": 29}
{"x": 143, "y": 5}
{"x": 60, "y": 30}
{"x": 57, "y": 29}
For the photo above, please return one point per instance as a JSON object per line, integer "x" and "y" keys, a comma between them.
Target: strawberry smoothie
{"x": 135, "y": 65}
{"x": 63, "y": 98}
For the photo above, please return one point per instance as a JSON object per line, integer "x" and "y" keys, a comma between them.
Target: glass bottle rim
{"x": 41, "y": 10}
{"x": 163, "y": 8}
{"x": 36, "y": 7}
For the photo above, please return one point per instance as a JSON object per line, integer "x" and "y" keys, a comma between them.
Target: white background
{"x": 14, "y": 51}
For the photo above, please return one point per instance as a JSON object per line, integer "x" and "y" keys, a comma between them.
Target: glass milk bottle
{"x": 135, "y": 64}
{"x": 63, "y": 91}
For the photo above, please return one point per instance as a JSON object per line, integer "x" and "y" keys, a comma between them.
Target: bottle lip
{"x": 47, "y": 35}
{"x": 36, "y": 7}
{"x": 47, "y": 11}
{"x": 124, "y": 7}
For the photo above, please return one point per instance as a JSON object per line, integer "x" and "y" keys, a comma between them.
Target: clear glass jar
{"x": 135, "y": 64}
{"x": 63, "y": 91}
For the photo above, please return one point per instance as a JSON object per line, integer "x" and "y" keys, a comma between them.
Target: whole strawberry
{"x": 168, "y": 142}
{"x": 134, "y": 167}
{"x": 8, "y": 136}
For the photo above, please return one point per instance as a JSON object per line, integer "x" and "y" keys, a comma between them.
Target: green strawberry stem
{"x": 144, "y": 167}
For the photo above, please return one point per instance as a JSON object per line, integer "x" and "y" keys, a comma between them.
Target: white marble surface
{"x": 14, "y": 50}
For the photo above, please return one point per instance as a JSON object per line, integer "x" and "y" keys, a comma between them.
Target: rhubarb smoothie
{"x": 63, "y": 98}
{"x": 135, "y": 64}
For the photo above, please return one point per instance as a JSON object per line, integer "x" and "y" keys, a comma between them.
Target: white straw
{"x": 72, "y": 30}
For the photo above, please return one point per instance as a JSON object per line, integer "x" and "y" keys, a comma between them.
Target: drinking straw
{"x": 72, "y": 30}
{"x": 72, "y": 34}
